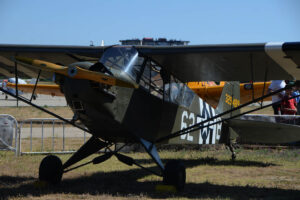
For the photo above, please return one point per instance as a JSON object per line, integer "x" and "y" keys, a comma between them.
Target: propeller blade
{"x": 76, "y": 72}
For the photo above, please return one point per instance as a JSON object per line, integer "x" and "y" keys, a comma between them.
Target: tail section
{"x": 230, "y": 98}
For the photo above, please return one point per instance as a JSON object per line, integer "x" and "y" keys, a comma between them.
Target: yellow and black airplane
{"x": 138, "y": 94}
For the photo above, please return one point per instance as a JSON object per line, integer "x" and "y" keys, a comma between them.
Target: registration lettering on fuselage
{"x": 208, "y": 134}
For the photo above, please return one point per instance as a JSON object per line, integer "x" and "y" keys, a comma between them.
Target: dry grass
{"x": 271, "y": 174}
{"x": 26, "y": 112}
{"x": 49, "y": 144}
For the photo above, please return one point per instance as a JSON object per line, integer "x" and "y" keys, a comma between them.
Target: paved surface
{"x": 41, "y": 100}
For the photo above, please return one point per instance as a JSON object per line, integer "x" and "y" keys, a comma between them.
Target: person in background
{"x": 296, "y": 94}
{"x": 276, "y": 98}
{"x": 288, "y": 104}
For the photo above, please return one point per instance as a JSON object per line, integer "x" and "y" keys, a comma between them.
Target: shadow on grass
{"x": 215, "y": 162}
{"x": 124, "y": 183}
{"x": 12, "y": 180}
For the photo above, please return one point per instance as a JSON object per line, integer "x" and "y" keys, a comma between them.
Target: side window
{"x": 178, "y": 92}
{"x": 145, "y": 79}
{"x": 151, "y": 79}
{"x": 156, "y": 87}
{"x": 161, "y": 84}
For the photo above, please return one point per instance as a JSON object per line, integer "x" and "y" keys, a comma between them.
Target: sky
{"x": 74, "y": 22}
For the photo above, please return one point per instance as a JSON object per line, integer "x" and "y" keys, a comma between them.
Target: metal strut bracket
{"x": 152, "y": 151}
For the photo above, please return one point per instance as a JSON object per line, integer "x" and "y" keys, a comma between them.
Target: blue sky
{"x": 71, "y": 22}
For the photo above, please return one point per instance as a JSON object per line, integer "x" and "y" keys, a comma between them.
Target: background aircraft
{"x": 11, "y": 81}
{"x": 211, "y": 92}
{"x": 137, "y": 94}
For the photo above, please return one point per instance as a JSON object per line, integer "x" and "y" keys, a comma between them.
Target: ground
{"x": 266, "y": 173}
{"x": 26, "y": 112}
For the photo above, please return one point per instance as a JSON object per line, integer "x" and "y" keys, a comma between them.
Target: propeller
{"x": 76, "y": 72}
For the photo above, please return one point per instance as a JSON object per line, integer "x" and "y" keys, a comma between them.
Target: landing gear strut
{"x": 51, "y": 168}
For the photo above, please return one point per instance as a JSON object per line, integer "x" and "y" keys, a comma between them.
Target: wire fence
{"x": 49, "y": 136}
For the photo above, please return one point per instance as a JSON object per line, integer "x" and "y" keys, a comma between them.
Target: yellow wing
{"x": 211, "y": 93}
{"x": 52, "y": 90}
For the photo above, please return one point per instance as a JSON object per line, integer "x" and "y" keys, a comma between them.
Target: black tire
{"x": 174, "y": 174}
{"x": 51, "y": 170}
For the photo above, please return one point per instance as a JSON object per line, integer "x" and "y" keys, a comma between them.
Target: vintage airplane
{"x": 138, "y": 94}
{"x": 47, "y": 89}
{"x": 11, "y": 81}
{"x": 211, "y": 93}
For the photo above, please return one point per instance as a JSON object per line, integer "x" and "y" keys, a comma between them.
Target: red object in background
{"x": 288, "y": 106}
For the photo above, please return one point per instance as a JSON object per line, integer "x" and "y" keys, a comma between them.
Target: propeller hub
{"x": 72, "y": 71}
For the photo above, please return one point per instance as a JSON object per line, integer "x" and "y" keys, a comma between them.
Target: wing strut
{"x": 16, "y": 77}
{"x": 265, "y": 80}
{"x": 36, "y": 82}
{"x": 252, "y": 74}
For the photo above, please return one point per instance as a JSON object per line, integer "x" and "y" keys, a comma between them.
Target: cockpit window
{"x": 125, "y": 59}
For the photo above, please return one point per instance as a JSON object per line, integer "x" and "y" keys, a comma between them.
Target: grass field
{"x": 26, "y": 112}
{"x": 256, "y": 174}
{"x": 270, "y": 174}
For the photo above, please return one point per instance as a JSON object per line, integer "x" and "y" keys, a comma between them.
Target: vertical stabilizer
{"x": 230, "y": 98}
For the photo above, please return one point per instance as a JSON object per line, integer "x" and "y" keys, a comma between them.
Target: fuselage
{"x": 152, "y": 111}
{"x": 120, "y": 114}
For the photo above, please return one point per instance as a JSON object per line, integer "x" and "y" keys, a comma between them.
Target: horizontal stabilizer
{"x": 265, "y": 132}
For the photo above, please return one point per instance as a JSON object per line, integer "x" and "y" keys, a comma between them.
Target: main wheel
{"x": 174, "y": 174}
{"x": 51, "y": 169}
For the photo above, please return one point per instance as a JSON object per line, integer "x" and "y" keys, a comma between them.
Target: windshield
{"x": 125, "y": 59}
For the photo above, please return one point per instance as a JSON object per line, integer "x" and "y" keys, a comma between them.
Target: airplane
{"x": 137, "y": 94}
{"x": 5, "y": 85}
{"x": 211, "y": 93}
{"x": 46, "y": 89}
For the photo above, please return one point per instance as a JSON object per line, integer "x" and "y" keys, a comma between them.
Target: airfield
{"x": 271, "y": 173}
{"x": 256, "y": 174}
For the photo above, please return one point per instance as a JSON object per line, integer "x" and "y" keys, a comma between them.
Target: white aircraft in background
{"x": 4, "y": 82}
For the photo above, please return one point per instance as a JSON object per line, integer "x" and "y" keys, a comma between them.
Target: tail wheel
{"x": 51, "y": 169}
{"x": 174, "y": 174}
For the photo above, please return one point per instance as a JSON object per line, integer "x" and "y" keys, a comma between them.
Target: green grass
{"x": 271, "y": 174}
